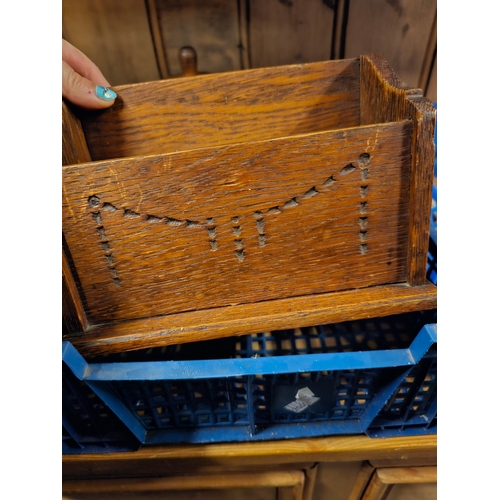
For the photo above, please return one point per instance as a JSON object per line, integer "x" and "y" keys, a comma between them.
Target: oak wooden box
{"x": 240, "y": 202}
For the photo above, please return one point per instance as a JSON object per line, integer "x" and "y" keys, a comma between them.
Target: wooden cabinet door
{"x": 281, "y": 484}
{"x": 396, "y": 483}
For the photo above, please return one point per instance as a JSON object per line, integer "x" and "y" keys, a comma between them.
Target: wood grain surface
{"x": 297, "y": 312}
{"x": 211, "y": 28}
{"x": 74, "y": 143}
{"x": 288, "y": 478}
{"x": 381, "y": 485}
{"x": 431, "y": 89}
{"x": 115, "y": 35}
{"x": 211, "y": 110}
{"x": 217, "y": 227}
{"x": 73, "y": 312}
{"x": 243, "y": 202}
{"x": 385, "y": 98}
{"x": 289, "y": 32}
{"x": 158, "y": 460}
{"x": 407, "y": 475}
{"x": 398, "y": 29}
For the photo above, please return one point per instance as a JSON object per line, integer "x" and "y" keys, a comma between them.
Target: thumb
{"x": 84, "y": 93}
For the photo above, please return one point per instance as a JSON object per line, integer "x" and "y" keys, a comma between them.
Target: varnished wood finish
{"x": 310, "y": 481}
{"x": 376, "y": 489}
{"x": 157, "y": 36}
{"x": 400, "y": 30}
{"x": 146, "y": 467}
{"x": 212, "y": 228}
{"x": 408, "y": 475}
{"x": 364, "y": 476}
{"x": 115, "y": 35}
{"x": 254, "y": 318}
{"x": 159, "y": 460}
{"x": 382, "y": 481}
{"x": 339, "y": 29}
{"x": 211, "y": 28}
{"x": 289, "y": 32}
{"x": 282, "y": 32}
{"x": 74, "y": 151}
{"x": 243, "y": 24}
{"x": 73, "y": 312}
{"x": 74, "y": 144}
{"x": 406, "y": 462}
{"x": 241, "y": 202}
{"x": 188, "y": 61}
{"x": 293, "y": 480}
{"x": 428, "y": 65}
{"x": 385, "y": 98}
{"x": 375, "y": 481}
{"x": 217, "y": 110}
{"x": 431, "y": 89}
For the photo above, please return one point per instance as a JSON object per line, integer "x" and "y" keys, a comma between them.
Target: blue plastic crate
{"x": 432, "y": 254}
{"x": 346, "y": 378}
{"x": 88, "y": 424}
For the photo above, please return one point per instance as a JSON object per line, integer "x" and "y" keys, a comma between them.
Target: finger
{"x": 83, "y": 92}
{"x": 82, "y": 64}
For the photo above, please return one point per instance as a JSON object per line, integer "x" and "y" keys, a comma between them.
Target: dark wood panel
{"x": 74, "y": 144}
{"x": 289, "y": 32}
{"x": 281, "y": 314}
{"x": 139, "y": 40}
{"x": 211, "y": 28}
{"x": 213, "y": 228}
{"x": 159, "y": 460}
{"x": 73, "y": 312}
{"x": 115, "y": 35}
{"x": 431, "y": 91}
{"x": 399, "y": 30}
{"x": 385, "y": 98}
{"x": 210, "y": 110}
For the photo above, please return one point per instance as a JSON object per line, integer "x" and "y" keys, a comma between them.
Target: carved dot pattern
{"x": 212, "y": 234}
{"x": 94, "y": 203}
{"x": 240, "y": 251}
{"x": 363, "y": 161}
{"x": 259, "y": 222}
{"x": 211, "y": 228}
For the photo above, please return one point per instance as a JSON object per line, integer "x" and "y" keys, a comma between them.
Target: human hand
{"x": 83, "y": 83}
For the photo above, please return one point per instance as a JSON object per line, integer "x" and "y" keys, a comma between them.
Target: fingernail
{"x": 105, "y": 93}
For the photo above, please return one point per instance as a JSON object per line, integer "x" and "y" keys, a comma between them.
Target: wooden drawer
{"x": 264, "y": 485}
{"x": 234, "y": 203}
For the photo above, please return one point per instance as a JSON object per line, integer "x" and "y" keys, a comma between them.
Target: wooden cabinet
{"x": 262, "y": 485}
{"x": 139, "y": 40}
{"x": 403, "y": 482}
{"x": 327, "y": 468}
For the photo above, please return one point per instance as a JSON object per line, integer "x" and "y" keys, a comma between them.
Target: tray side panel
{"x": 74, "y": 146}
{"x": 295, "y": 312}
{"x": 385, "y": 98}
{"x": 240, "y": 224}
{"x": 218, "y": 109}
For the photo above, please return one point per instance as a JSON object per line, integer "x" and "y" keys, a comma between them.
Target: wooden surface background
{"x": 220, "y": 109}
{"x": 139, "y": 40}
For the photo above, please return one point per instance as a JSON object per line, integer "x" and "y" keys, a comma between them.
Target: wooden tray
{"x": 241, "y": 202}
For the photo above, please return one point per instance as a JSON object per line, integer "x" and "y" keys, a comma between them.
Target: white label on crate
{"x": 303, "y": 400}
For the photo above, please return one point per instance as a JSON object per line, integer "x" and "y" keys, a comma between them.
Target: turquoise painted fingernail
{"x": 105, "y": 93}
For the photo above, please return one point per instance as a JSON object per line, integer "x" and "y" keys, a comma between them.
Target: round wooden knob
{"x": 187, "y": 58}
